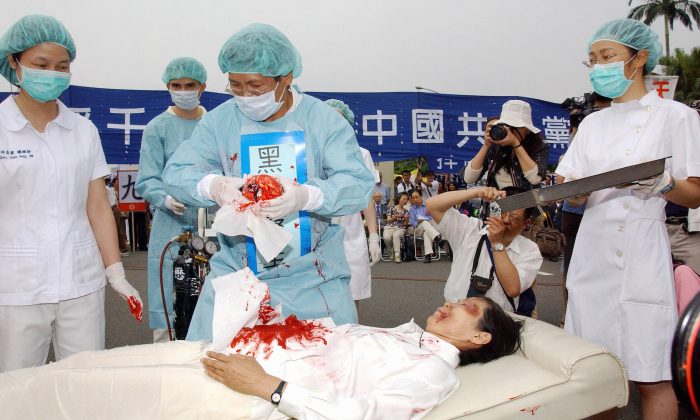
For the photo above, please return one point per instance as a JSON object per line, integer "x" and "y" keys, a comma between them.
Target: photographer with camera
{"x": 513, "y": 154}
{"x": 500, "y": 264}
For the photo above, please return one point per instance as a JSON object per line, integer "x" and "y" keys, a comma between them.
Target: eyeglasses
{"x": 513, "y": 218}
{"x": 605, "y": 59}
{"x": 239, "y": 91}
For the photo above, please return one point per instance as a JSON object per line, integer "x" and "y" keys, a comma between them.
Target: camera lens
{"x": 498, "y": 132}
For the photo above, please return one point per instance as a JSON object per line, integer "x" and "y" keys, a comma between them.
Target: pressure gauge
{"x": 211, "y": 247}
{"x": 197, "y": 243}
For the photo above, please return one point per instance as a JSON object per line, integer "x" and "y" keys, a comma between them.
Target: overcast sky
{"x": 531, "y": 48}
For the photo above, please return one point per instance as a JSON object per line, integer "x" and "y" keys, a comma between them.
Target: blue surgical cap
{"x": 634, "y": 34}
{"x": 182, "y": 67}
{"x": 262, "y": 49}
{"x": 343, "y": 108}
{"x": 27, "y": 32}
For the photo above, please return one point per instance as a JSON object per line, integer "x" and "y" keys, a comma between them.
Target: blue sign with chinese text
{"x": 447, "y": 129}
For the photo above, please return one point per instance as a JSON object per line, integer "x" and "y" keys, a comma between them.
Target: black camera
{"x": 498, "y": 131}
{"x": 581, "y": 107}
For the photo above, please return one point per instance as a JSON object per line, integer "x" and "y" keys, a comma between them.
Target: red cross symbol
{"x": 660, "y": 87}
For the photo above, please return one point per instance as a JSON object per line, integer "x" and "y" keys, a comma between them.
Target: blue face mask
{"x": 609, "y": 79}
{"x": 44, "y": 85}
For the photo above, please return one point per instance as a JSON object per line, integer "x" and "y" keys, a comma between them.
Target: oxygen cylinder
{"x": 186, "y": 288}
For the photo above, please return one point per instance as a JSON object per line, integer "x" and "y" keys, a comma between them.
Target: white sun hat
{"x": 517, "y": 113}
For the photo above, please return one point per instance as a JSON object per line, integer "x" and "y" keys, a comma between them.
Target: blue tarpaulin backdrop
{"x": 447, "y": 129}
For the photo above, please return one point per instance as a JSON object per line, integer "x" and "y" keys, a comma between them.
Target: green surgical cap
{"x": 27, "y": 32}
{"x": 182, "y": 67}
{"x": 343, "y": 108}
{"x": 262, "y": 49}
{"x": 632, "y": 33}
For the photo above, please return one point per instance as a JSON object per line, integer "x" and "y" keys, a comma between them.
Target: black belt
{"x": 673, "y": 220}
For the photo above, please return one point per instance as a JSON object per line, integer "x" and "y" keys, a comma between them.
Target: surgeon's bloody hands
{"x": 294, "y": 197}
{"x": 240, "y": 373}
{"x": 259, "y": 188}
{"x": 226, "y": 190}
{"x": 117, "y": 279}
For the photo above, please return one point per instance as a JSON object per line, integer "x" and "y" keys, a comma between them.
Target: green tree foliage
{"x": 685, "y": 11}
{"x": 687, "y": 68}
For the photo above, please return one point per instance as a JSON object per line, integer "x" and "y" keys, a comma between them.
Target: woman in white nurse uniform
{"x": 620, "y": 280}
{"x": 56, "y": 224}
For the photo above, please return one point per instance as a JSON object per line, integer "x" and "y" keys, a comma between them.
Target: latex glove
{"x": 653, "y": 185}
{"x": 175, "y": 206}
{"x": 375, "y": 251}
{"x": 226, "y": 190}
{"x": 294, "y": 198}
{"x": 117, "y": 279}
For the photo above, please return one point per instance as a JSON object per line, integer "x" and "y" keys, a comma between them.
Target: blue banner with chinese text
{"x": 447, "y": 129}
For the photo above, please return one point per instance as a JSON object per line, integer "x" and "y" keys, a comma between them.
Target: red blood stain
{"x": 266, "y": 313}
{"x": 296, "y": 225}
{"x": 318, "y": 268}
{"x": 234, "y": 157}
{"x": 530, "y": 410}
{"x": 263, "y": 337}
{"x": 135, "y": 308}
{"x": 260, "y": 188}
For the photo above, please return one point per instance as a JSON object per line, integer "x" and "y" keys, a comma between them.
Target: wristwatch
{"x": 499, "y": 247}
{"x": 667, "y": 189}
{"x": 276, "y": 396}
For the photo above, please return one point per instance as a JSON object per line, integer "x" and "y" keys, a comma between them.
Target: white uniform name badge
{"x": 278, "y": 154}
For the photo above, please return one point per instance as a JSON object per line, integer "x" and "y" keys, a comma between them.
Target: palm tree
{"x": 670, "y": 10}
{"x": 687, "y": 68}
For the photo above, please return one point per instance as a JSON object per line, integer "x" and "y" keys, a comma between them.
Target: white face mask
{"x": 185, "y": 99}
{"x": 261, "y": 107}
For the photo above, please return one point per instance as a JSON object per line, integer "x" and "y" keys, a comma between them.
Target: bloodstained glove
{"x": 294, "y": 197}
{"x": 117, "y": 279}
{"x": 226, "y": 190}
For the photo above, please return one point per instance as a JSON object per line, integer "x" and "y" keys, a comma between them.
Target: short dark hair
{"x": 530, "y": 212}
{"x": 430, "y": 173}
{"x": 505, "y": 336}
{"x": 398, "y": 197}
{"x": 417, "y": 191}
{"x": 405, "y": 172}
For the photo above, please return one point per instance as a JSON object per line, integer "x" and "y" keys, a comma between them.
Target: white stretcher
{"x": 556, "y": 376}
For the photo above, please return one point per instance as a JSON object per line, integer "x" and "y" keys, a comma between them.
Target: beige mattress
{"x": 556, "y": 376}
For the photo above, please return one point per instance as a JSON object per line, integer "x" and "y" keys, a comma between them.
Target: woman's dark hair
{"x": 505, "y": 336}
{"x": 452, "y": 183}
{"x": 503, "y": 157}
{"x": 398, "y": 198}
